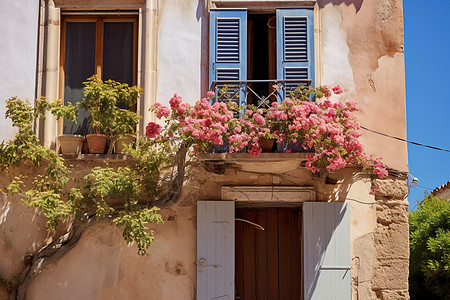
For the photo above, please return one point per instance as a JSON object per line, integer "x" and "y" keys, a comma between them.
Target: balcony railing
{"x": 244, "y": 92}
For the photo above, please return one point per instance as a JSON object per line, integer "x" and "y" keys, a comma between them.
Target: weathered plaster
{"x": 106, "y": 267}
{"x": 375, "y": 41}
{"x": 181, "y": 34}
{"x": 336, "y": 67}
{"x": 22, "y": 229}
{"x": 19, "y": 23}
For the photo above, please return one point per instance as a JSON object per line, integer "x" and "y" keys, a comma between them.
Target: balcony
{"x": 260, "y": 93}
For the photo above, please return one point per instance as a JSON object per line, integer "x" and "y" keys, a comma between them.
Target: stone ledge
{"x": 96, "y": 157}
{"x": 246, "y": 157}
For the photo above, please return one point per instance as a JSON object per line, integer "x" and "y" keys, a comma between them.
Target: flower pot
{"x": 96, "y": 142}
{"x": 266, "y": 144}
{"x": 297, "y": 147}
{"x": 70, "y": 143}
{"x": 125, "y": 141}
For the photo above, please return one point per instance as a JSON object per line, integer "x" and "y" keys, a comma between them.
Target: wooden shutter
{"x": 295, "y": 47}
{"x": 215, "y": 250}
{"x": 326, "y": 232}
{"x": 228, "y": 51}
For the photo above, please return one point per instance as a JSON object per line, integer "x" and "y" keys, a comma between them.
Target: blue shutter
{"x": 215, "y": 250}
{"x": 295, "y": 48}
{"x": 228, "y": 52}
{"x": 326, "y": 244}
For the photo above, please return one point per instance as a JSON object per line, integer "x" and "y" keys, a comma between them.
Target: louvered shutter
{"x": 295, "y": 48}
{"x": 326, "y": 244}
{"x": 215, "y": 250}
{"x": 228, "y": 53}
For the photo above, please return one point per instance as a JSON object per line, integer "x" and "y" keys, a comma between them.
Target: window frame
{"x": 99, "y": 19}
{"x": 281, "y": 12}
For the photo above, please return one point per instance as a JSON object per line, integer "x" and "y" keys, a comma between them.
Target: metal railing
{"x": 244, "y": 92}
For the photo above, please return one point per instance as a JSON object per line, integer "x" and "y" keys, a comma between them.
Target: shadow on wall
{"x": 202, "y": 16}
{"x": 356, "y": 3}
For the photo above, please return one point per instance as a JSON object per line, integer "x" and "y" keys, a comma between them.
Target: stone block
{"x": 365, "y": 292}
{"x": 392, "y": 188}
{"x": 390, "y": 274}
{"x": 392, "y": 242}
{"x": 393, "y": 295}
{"x": 387, "y": 214}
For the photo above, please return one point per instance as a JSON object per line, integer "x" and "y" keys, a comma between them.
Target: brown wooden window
{"x": 102, "y": 45}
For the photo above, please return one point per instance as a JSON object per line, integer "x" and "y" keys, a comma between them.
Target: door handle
{"x": 202, "y": 265}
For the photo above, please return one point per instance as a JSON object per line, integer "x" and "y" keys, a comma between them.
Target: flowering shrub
{"x": 329, "y": 128}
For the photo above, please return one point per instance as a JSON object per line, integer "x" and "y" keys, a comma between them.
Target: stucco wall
{"x": 102, "y": 265}
{"x": 18, "y": 48}
{"x": 182, "y": 50}
{"x": 361, "y": 49}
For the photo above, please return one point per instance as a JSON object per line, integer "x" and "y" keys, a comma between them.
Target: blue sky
{"x": 427, "y": 62}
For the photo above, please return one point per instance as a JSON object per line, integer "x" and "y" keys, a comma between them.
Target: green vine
{"x": 50, "y": 192}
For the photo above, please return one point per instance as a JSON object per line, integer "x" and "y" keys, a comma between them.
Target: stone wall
{"x": 381, "y": 261}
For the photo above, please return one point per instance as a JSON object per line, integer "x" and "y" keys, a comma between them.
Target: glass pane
{"x": 79, "y": 65}
{"x": 118, "y": 42}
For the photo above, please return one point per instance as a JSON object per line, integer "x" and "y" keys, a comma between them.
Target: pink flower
{"x": 255, "y": 151}
{"x": 275, "y": 87}
{"x": 175, "y": 101}
{"x": 379, "y": 170}
{"x": 152, "y": 130}
{"x": 326, "y": 91}
{"x": 210, "y": 94}
{"x": 337, "y": 90}
{"x": 259, "y": 119}
{"x": 162, "y": 111}
{"x": 182, "y": 108}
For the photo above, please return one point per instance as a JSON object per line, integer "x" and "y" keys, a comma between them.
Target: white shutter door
{"x": 326, "y": 231}
{"x": 215, "y": 250}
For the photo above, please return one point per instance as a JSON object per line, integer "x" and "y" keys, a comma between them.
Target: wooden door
{"x": 268, "y": 262}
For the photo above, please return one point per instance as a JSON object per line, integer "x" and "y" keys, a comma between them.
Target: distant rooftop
{"x": 442, "y": 191}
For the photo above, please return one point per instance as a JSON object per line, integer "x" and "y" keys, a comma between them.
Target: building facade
{"x": 323, "y": 238}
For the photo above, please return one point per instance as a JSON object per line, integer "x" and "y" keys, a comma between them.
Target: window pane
{"x": 79, "y": 65}
{"x": 118, "y": 42}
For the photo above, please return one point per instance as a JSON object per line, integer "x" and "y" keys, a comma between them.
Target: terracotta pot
{"x": 70, "y": 143}
{"x": 96, "y": 142}
{"x": 266, "y": 144}
{"x": 120, "y": 144}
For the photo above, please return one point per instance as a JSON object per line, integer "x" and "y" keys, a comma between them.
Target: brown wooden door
{"x": 268, "y": 263}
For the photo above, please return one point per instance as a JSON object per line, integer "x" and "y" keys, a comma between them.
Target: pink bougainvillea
{"x": 152, "y": 130}
{"x": 328, "y": 128}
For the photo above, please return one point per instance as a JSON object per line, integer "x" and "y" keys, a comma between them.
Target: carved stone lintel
{"x": 265, "y": 194}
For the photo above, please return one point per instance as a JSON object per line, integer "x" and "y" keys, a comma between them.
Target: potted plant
{"x": 67, "y": 143}
{"x": 109, "y": 122}
{"x": 125, "y": 131}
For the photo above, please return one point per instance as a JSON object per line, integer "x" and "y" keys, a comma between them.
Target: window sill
{"x": 102, "y": 157}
